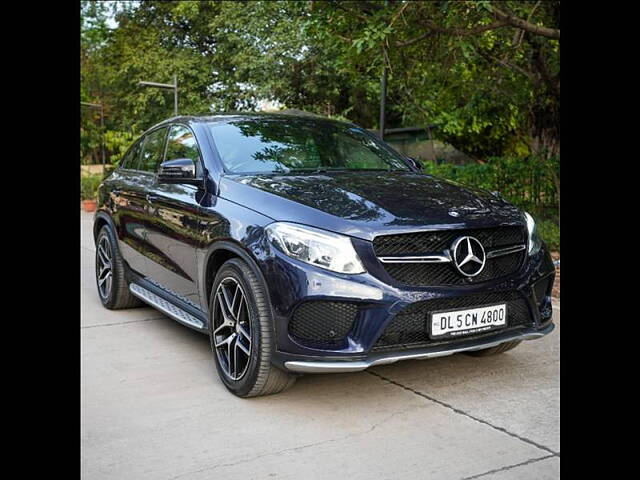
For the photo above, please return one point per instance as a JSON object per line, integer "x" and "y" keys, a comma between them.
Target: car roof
{"x": 219, "y": 117}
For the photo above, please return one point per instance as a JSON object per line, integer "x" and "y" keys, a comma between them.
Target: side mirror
{"x": 182, "y": 170}
{"x": 416, "y": 164}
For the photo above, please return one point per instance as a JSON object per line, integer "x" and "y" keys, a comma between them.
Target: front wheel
{"x": 241, "y": 333}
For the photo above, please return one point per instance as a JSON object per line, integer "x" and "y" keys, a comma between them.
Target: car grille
{"x": 322, "y": 324}
{"x": 410, "y": 327}
{"x": 433, "y": 274}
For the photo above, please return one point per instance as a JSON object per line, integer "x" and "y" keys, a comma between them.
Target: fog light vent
{"x": 319, "y": 323}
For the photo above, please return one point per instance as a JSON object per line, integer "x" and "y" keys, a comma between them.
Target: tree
{"x": 486, "y": 72}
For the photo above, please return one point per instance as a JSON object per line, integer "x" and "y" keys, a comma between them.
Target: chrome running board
{"x": 165, "y": 306}
{"x": 359, "y": 365}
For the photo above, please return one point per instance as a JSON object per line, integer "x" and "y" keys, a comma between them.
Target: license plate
{"x": 455, "y": 323}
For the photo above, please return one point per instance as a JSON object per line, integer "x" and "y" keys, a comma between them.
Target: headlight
{"x": 535, "y": 242}
{"x": 317, "y": 247}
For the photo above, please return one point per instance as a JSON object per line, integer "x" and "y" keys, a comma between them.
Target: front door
{"x": 175, "y": 228}
{"x": 140, "y": 213}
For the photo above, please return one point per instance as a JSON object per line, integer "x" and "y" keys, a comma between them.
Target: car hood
{"x": 366, "y": 204}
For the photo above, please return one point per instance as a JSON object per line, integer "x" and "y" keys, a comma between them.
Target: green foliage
{"x": 118, "y": 143}
{"x": 89, "y": 186}
{"x": 93, "y": 24}
{"x": 89, "y": 139}
{"x": 492, "y": 92}
{"x": 550, "y": 233}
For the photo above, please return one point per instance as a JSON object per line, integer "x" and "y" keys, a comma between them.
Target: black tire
{"x": 260, "y": 377}
{"x": 498, "y": 349}
{"x": 118, "y": 296}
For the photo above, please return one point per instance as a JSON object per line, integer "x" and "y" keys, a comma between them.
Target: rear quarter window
{"x": 152, "y": 150}
{"x": 130, "y": 158}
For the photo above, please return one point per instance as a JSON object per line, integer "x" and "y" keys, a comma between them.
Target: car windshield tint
{"x": 297, "y": 145}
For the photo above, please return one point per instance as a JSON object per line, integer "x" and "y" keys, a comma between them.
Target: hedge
{"x": 528, "y": 183}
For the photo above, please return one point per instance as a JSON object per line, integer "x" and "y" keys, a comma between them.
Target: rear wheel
{"x": 503, "y": 347}
{"x": 113, "y": 288}
{"x": 241, "y": 333}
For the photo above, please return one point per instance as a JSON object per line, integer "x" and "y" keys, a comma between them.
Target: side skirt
{"x": 169, "y": 305}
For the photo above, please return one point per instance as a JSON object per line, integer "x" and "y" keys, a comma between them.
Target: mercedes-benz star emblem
{"x": 468, "y": 256}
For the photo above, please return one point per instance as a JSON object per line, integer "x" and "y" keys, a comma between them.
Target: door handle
{"x": 116, "y": 191}
{"x": 152, "y": 198}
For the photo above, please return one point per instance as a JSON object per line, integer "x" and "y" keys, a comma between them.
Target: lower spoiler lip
{"x": 318, "y": 366}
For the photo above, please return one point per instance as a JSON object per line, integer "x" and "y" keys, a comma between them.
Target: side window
{"x": 131, "y": 157}
{"x": 182, "y": 144}
{"x": 152, "y": 150}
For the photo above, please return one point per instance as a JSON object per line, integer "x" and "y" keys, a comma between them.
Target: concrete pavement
{"x": 152, "y": 407}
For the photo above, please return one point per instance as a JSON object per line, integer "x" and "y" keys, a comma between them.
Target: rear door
{"x": 129, "y": 207}
{"x": 175, "y": 230}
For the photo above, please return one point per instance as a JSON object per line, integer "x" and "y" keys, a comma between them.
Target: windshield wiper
{"x": 317, "y": 170}
{"x": 330, "y": 169}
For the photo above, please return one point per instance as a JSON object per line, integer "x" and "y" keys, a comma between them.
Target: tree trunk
{"x": 545, "y": 129}
{"x": 545, "y": 135}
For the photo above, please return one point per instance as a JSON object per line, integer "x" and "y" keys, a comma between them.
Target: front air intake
{"x": 322, "y": 324}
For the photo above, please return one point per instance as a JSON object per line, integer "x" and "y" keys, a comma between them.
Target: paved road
{"x": 153, "y": 407}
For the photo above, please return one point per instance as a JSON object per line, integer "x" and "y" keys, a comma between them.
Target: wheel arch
{"x": 217, "y": 255}
{"x": 100, "y": 220}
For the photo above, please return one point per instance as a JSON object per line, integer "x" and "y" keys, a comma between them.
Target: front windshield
{"x": 283, "y": 145}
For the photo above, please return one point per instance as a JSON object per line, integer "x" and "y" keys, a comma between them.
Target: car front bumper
{"x": 292, "y": 283}
{"x": 319, "y": 366}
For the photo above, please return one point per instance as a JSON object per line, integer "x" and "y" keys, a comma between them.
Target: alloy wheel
{"x": 231, "y": 328}
{"x": 104, "y": 268}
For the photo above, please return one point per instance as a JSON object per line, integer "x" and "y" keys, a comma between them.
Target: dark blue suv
{"x": 305, "y": 245}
